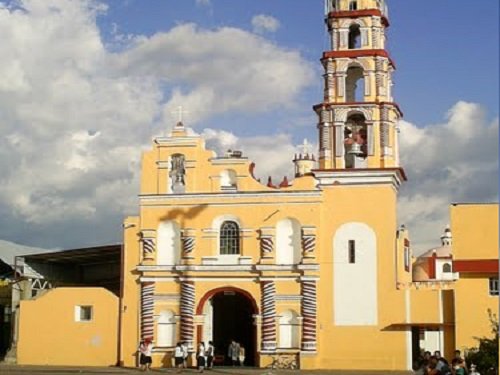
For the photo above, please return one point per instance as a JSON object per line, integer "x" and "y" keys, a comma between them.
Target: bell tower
{"x": 357, "y": 120}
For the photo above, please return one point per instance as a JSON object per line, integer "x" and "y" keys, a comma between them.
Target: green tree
{"x": 485, "y": 356}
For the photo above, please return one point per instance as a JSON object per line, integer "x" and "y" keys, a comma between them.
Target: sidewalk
{"x": 63, "y": 370}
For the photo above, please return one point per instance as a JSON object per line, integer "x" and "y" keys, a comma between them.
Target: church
{"x": 316, "y": 269}
{"x": 305, "y": 269}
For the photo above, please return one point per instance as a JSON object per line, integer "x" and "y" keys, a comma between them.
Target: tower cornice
{"x": 359, "y": 13}
{"x": 357, "y": 53}
{"x": 358, "y": 104}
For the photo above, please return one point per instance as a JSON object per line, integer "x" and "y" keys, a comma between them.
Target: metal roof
{"x": 82, "y": 256}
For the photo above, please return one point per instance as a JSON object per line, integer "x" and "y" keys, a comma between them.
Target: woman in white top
{"x": 179, "y": 356}
{"x": 146, "y": 350}
{"x": 200, "y": 357}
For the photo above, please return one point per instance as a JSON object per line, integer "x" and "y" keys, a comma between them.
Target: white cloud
{"x": 76, "y": 115}
{"x": 227, "y": 69}
{"x": 203, "y": 2}
{"x": 264, "y": 23}
{"x": 454, "y": 161}
{"x": 272, "y": 155}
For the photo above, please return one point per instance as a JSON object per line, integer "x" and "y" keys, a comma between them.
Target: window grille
{"x": 83, "y": 313}
{"x": 352, "y": 251}
{"x": 494, "y": 286}
{"x": 229, "y": 238}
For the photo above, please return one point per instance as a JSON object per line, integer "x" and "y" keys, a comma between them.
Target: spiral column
{"x": 268, "y": 316}
{"x": 309, "y": 309}
{"x": 147, "y": 307}
{"x": 187, "y": 312}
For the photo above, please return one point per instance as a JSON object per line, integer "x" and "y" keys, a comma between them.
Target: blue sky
{"x": 85, "y": 84}
{"x": 445, "y": 51}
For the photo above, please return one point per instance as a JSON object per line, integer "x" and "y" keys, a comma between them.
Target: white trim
{"x": 226, "y": 280}
{"x": 240, "y": 194}
{"x": 287, "y": 297}
{"x": 178, "y": 141}
{"x": 359, "y": 177}
{"x": 230, "y": 267}
{"x": 408, "y": 333}
{"x": 228, "y": 161}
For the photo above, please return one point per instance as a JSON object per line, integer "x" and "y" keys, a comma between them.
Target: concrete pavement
{"x": 60, "y": 370}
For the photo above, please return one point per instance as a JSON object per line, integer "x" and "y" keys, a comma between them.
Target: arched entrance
{"x": 228, "y": 315}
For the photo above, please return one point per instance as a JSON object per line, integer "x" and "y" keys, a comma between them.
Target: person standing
{"x": 145, "y": 351}
{"x": 200, "y": 357}
{"x": 210, "y": 354}
{"x": 184, "y": 354}
{"x": 233, "y": 352}
{"x": 179, "y": 357}
{"x": 242, "y": 355}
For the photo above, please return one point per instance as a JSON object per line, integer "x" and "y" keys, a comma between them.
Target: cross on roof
{"x": 179, "y": 112}
{"x": 306, "y": 147}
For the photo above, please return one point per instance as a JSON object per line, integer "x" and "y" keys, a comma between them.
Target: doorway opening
{"x": 229, "y": 316}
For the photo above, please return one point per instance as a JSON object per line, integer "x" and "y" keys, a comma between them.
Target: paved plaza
{"x": 25, "y": 370}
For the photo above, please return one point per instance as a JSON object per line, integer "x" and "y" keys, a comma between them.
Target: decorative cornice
{"x": 354, "y": 53}
{"x": 357, "y": 104}
{"x": 360, "y": 13}
{"x": 368, "y": 176}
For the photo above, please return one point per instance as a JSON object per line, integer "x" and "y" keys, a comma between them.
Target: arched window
{"x": 289, "y": 330}
{"x": 446, "y": 267}
{"x": 229, "y": 243}
{"x": 168, "y": 243}
{"x": 228, "y": 179}
{"x": 288, "y": 242}
{"x": 177, "y": 174}
{"x": 353, "y": 5}
{"x": 355, "y": 139}
{"x": 166, "y": 329}
{"x": 355, "y": 84}
{"x": 354, "y": 36}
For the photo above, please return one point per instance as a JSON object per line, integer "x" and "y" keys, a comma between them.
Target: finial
{"x": 179, "y": 112}
{"x": 306, "y": 147}
{"x": 284, "y": 183}
{"x": 446, "y": 237}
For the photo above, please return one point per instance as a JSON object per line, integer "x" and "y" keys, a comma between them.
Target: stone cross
{"x": 179, "y": 112}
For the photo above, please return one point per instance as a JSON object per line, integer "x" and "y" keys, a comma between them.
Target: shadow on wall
{"x": 181, "y": 215}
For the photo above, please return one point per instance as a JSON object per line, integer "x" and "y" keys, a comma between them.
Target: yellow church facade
{"x": 304, "y": 269}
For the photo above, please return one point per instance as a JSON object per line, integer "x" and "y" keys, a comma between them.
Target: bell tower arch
{"x": 357, "y": 119}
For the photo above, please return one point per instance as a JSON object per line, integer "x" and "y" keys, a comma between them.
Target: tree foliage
{"x": 485, "y": 356}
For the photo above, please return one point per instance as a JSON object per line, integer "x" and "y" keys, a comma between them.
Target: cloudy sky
{"x": 86, "y": 84}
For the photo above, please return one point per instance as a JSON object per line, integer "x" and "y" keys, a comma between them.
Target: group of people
{"x": 204, "y": 355}
{"x": 435, "y": 364}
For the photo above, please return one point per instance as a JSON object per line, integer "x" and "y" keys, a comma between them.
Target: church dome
{"x": 443, "y": 251}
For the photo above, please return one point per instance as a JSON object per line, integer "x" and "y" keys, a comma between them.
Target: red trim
{"x": 353, "y": 53}
{"x": 476, "y": 266}
{"x": 359, "y": 13}
{"x": 400, "y": 170}
{"x": 432, "y": 266}
{"x": 209, "y": 294}
{"x": 356, "y": 104}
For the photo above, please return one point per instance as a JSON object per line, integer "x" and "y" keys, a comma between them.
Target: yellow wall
{"x": 475, "y": 231}
{"x": 49, "y": 334}
{"x": 475, "y": 236}
{"x": 130, "y": 324}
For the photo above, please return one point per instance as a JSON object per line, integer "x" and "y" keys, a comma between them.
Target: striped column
{"x": 309, "y": 315}
{"x": 187, "y": 312}
{"x": 308, "y": 243}
{"x": 268, "y": 316}
{"x": 148, "y": 243}
{"x": 266, "y": 245}
{"x": 188, "y": 243}
{"x": 147, "y": 307}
